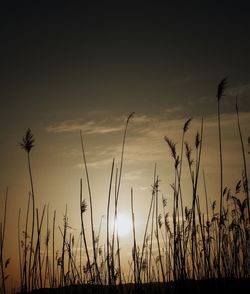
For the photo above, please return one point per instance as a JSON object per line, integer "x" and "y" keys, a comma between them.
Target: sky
{"x": 67, "y": 66}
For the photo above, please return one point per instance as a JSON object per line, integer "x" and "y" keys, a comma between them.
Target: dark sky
{"x": 56, "y": 59}
{"x": 73, "y": 64}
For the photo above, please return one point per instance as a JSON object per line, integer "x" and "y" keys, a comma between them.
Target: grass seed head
{"x": 172, "y": 147}
{"x": 186, "y": 125}
{"x": 83, "y": 206}
{"x": 221, "y": 88}
{"x": 130, "y": 116}
{"x": 28, "y": 141}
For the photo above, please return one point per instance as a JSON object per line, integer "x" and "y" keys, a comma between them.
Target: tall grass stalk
{"x": 2, "y": 237}
{"x": 147, "y": 223}
{"x": 83, "y": 207}
{"x": 91, "y": 212}
{"x": 53, "y": 251}
{"x": 134, "y": 249}
{"x": 220, "y": 93}
{"x": 27, "y": 144}
{"x": 117, "y": 190}
{"x": 172, "y": 147}
{"x": 113, "y": 274}
{"x": 25, "y": 275}
{"x": 179, "y": 192}
{"x": 210, "y": 274}
{"x": 119, "y": 257}
{"x": 245, "y": 178}
{"x": 152, "y": 229}
{"x": 47, "y": 238}
{"x": 65, "y": 226}
{"x": 122, "y": 154}
{"x": 156, "y": 187}
{"x": 38, "y": 246}
{"x": 119, "y": 179}
{"x": 108, "y": 208}
{"x": 198, "y": 145}
{"x": 19, "y": 250}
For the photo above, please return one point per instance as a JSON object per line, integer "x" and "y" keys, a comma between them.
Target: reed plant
{"x": 27, "y": 144}
{"x": 97, "y": 273}
{"x": 83, "y": 207}
{"x": 108, "y": 223}
{"x": 179, "y": 243}
{"x": 3, "y": 263}
{"x": 220, "y": 93}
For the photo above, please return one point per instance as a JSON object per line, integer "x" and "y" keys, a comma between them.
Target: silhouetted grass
{"x": 3, "y": 263}
{"x": 206, "y": 286}
{"x": 197, "y": 251}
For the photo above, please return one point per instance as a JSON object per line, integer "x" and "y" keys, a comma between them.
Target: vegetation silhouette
{"x": 195, "y": 251}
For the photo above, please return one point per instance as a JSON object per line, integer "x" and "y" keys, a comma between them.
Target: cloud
{"x": 98, "y": 164}
{"x": 173, "y": 110}
{"x": 227, "y": 119}
{"x": 88, "y": 128}
{"x": 144, "y": 142}
{"x": 142, "y": 119}
{"x": 133, "y": 175}
{"x": 239, "y": 90}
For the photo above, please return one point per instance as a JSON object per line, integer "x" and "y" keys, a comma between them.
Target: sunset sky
{"x": 73, "y": 65}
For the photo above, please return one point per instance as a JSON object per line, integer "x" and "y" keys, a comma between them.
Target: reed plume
{"x": 220, "y": 93}
{"x": 27, "y": 144}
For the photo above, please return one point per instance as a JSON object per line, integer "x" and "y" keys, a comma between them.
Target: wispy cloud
{"x": 239, "y": 90}
{"x": 87, "y": 127}
{"x": 145, "y": 143}
{"x": 97, "y": 164}
{"x": 173, "y": 110}
{"x": 145, "y": 138}
{"x": 133, "y": 175}
{"x": 227, "y": 120}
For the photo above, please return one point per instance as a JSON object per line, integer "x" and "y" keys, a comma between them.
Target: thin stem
{"x": 2, "y": 236}
{"x": 245, "y": 183}
{"x": 108, "y": 207}
{"x": 221, "y": 189}
{"x": 84, "y": 236}
{"x": 53, "y": 251}
{"x": 19, "y": 250}
{"x": 33, "y": 218}
{"x": 91, "y": 211}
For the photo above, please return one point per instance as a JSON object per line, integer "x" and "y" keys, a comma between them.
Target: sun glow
{"x": 123, "y": 224}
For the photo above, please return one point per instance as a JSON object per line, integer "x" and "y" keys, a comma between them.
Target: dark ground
{"x": 228, "y": 286}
